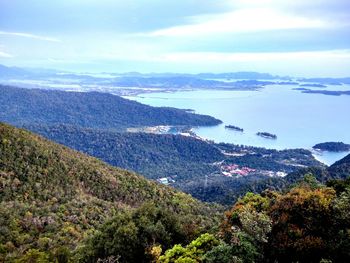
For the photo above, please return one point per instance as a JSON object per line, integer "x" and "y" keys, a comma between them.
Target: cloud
{"x": 243, "y": 20}
{"x": 32, "y": 36}
{"x": 5, "y": 55}
{"x": 199, "y": 57}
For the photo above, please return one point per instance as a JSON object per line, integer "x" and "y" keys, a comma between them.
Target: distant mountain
{"x": 51, "y": 197}
{"x": 8, "y": 72}
{"x": 99, "y": 110}
{"x": 173, "y": 82}
{"x": 329, "y": 81}
{"x": 240, "y": 75}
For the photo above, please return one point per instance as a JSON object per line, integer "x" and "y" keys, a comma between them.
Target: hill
{"x": 53, "y": 197}
{"x": 88, "y": 109}
{"x": 338, "y": 170}
{"x": 198, "y": 167}
{"x": 152, "y": 155}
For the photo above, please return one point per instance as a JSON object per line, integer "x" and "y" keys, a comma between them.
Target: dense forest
{"x": 193, "y": 164}
{"x": 58, "y": 205}
{"x": 52, "y": 197}
{"x": 332, "y": 146}
{"x": 88, "y": 109}
{"x": 308, "y": 223}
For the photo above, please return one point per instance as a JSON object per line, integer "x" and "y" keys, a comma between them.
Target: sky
{"x": 284, "y": 37}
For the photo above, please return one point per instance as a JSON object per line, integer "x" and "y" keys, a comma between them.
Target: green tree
{"x": 192, "y": 253}
{"x": 131, "y": 236}
{"x": 34, "y": 256}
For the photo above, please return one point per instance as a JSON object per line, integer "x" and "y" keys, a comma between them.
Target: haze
{"x": 298, "y": 38}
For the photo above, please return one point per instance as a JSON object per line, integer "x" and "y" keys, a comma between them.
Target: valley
{"x": 175, "y": 177}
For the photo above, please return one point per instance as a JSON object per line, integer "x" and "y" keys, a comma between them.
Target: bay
{"x": 299, "y": 120}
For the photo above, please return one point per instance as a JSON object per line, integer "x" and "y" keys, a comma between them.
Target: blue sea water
{"x": 298, "y": 119}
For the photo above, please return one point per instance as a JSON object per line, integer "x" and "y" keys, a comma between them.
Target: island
{"x": 232, "y": 127}
{"x": 313, "y": 85}
{"x": 332, "y": 147}
{"x": 324, "y": 92}
{"x": 267, "y": 135}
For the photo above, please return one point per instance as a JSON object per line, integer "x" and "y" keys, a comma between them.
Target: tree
{"x": 302, "y": 220}
{"x": 192, "y": 253}
{"x": 34, "y": 256}
{"x": 134, "y": 236}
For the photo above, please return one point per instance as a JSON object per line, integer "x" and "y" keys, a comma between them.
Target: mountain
{"x": 53, "y": 197}
{"x": 88, "y": 109}
{"x": 9, "y": 72}
{"x": 340, "y": 169}
{"x": 240, "y": 75}
{"x": 328, "y": 81}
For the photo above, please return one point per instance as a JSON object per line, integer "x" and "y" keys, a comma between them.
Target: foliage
{"x": 132, "y": 236}
{"x": 308, "y": 223}
{"x": 186, "y": 160}
{"x": 58, "y": 205}
{"x": 52, "y": 197}
{"x": 88, "y": 109}
{"x": 332, "y": 146}
{"x": 194, "y": 252}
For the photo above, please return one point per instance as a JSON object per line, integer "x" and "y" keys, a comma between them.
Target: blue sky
{"x": 287, "y": 37}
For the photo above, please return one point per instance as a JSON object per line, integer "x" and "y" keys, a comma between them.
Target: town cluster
{"x": 234, "y": 170}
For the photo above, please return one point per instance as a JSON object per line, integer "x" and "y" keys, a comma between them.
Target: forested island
{"x": 232, "y": 127}
{"x": 313, "y": 85}
{"x": 324, "y": 92}
{"x": 267, "y": 135}
{"x": 332, "y": 147}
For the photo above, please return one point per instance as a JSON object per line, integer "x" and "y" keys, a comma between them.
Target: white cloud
{"x": 5, "y": 55}
{"x": 27, "y": 35}
{"x": 242, "y": 20}
{"x": 208, "y": 57}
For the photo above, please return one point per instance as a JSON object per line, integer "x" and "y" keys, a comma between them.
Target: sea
{"x": 300, "y": 120}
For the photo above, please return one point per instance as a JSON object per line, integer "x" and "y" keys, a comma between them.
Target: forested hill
{"x": 195, "y": 165}
{"x": 341, "y": 168}
{"x": 51, "y": 196}
{"x": 152, "y": 155}
{"x": 88, "y": 109}
{"x": 338, "y": 170}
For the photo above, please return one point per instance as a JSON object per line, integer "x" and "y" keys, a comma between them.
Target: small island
{"x": 332, "y": 147}
{"x": 267, "y": 135}
{"x": 232, "y": 127}
{"x": 313, "y": 85}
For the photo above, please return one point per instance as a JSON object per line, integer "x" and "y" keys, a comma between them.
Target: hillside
{"x": 307, "y": 223}
{"x": 88, "y": 109}
{"x": 340, "y": 169}
{"x": 195, "y": 165}
{"x": 51, "y": 196}
{"x": 153, "y": 155}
